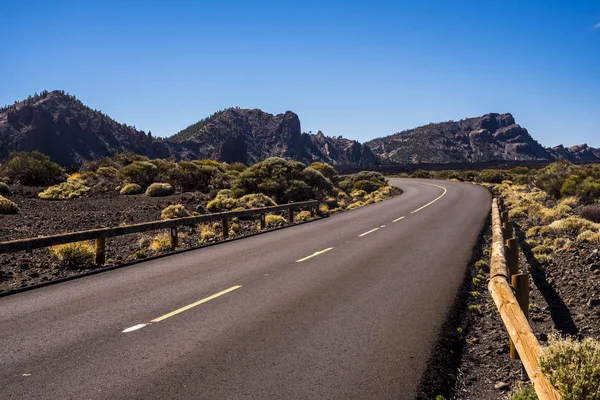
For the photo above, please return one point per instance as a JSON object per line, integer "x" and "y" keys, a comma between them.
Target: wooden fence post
{"x": 512, "y": 255}
{"x": 508, "y": 230}
{"x": 174, "y": 238}
{"x": 521, "y": 284}
{"x": 291, "y": 215}
{"x": 263, "y": 221}
{"x": 312, "y": 211}
{"x": 225, "y": 228}
{"x": 100, "y": 251}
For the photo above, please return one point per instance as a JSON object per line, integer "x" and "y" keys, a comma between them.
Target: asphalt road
{"x": 257, "y": 318}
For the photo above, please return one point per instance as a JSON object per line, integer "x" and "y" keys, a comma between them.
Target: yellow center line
{"x": 398, "y": 219}
{"x": 182, "y": 309}
{"x": 314, "y": 254}
{"x": 436, "y": 199}
{"x": 366, "y": 233}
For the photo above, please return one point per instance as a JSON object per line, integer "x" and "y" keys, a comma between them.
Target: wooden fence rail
{"x": 515, "y": 320}
{"x": 100, "y": 235}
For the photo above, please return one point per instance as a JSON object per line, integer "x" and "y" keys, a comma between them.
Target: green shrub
{"x": 532, "y": 232}
{"x": 174, "y": 211}
{"x": 257, "y": 200}
{"x": 197, "y": 175}
{"x": 469, "y": 176}
{"x": 141, "y": 172}
{"x": 7, "y": 206}
{"x": 68, "y": 190}
{"x": 358, "y": 194}
{"x": 522, "y": 392}
{"x": 367, "y": 186}
{"x": 421, "y": 174}
{"x": 139, "y": 254}
{"x": 74, "y": 255}
{"x": 32, "y": 169}
{"x": 355, "y": 205}
{"x": 573, "y": 367}
{"x": 573, "y": 226}
{"x": 131, "y": 189}
{"x": 493, "y": 176}
{"x": 483, "y": 265}
{"x": 517, "y": 212}
{"x": 282, "y": 181}
{"x": 590, "y": 189}
{"x": 327, "y": 170}
{"x": 4, "y": 189}
{"x": 273, "y": 221}
{"x": 447, "y": 175}
{"x": 303, "y": 216}
{"x": 159, "y": 190}
{"x": 552, "y": 178}
{"x": 222, "y": 202}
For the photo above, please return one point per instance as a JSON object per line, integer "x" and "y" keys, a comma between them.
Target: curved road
{"x": 347, "y": 307}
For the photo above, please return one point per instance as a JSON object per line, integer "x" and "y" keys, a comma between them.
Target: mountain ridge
{"x": 61, "y": 126}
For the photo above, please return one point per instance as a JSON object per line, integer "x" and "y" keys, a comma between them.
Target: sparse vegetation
{"x": 74, "y": 255}
{"x": 272, "y": 220}
{"x": 303, "y": 216}
{"x": 573, "y": 367}
{"x": 32, "y": 169}
{"x": 7, "y": 206}
{"x": 161, "y": 242}
{"x": 174, "y": 211}
{"x": 131, "y": 189}
{"x": 68, "y": 190}
{"x": 159, "y": 190}
{"x": 524, "y": 392}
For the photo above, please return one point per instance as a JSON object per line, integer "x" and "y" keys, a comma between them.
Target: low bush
{"x": 588, "y": 237}
{"x": 327, "y": 170}
{"x": 570, "y": 201}
{"x": 590, "y": 212}
{"x": 353, "y": 206}
{"x": 159, "y": 190}
{"x": 303, "y": 216}
{"x": 4, "y": 189}
{"x": 573, "y": 367}
{"x": 222, "y": 202}
{"x": 493, "y": 176}
{"x": 141, "y": 172}
{"x": 517, "y": 212}
{"x": 32, "y": 169}
{"x": 7, "y": 206}
{"x": 74, "y": 255}
{"x": 207, "y": 232}
{"x": 562, "y": 244}
{"x": 273, "y": 220}
{"x": 257, "y": 200}
{"x": 161, "y": 242}
{"x": 131, "y": 189}
{"x": 234, "y": 228}
{"x": 71, "y": 189}
{"x": 174, "y": 211}
{"x": 358, "y": 194}
{"x": 573, "y": 226}
{"x": 522, "y": 392}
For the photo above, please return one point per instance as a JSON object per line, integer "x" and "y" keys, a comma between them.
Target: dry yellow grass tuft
{"x": 161, "y": 242}
{"x": 74, "y": 255}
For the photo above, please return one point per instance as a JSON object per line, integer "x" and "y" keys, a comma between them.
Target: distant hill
{"x": 61, "y": 126}
{"x": 480, "y": 139}
{"x": 251, "y": 135}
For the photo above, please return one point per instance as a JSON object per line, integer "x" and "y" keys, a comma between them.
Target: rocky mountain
{"x": 249, "y": 136}
{"x": 581, "y": 152}
{"x": 480, "y": 139}
{"x": 63, "y": 128}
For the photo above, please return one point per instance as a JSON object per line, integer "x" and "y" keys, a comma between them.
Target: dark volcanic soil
{"x": 41, "y": 217}
{"x": 564, "y": 298}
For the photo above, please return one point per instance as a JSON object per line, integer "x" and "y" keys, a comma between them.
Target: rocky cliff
{"x": 480, "y": 139}
{"x": 61, "y": 127}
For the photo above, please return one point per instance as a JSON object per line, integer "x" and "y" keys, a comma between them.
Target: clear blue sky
{"x": 359, "y": 69}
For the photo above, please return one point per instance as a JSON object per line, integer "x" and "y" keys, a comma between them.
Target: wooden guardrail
{"x": 513, "y": 305}
{"x": 100, "y": 235}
